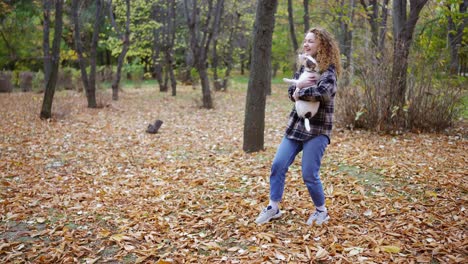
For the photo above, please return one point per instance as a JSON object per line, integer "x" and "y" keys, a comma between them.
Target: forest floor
{"x": 90, "y": 186}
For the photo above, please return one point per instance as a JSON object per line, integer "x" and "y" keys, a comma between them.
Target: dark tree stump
{"x": 153, "y": 129}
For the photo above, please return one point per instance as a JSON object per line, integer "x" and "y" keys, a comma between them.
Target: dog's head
{"x": 309, "y": 62}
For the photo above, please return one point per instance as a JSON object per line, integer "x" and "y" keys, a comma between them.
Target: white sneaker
{"x": 267, "y": 214}
{"x": 319, "y": 217}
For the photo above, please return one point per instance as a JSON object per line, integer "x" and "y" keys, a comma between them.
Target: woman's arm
{"x": 323, "y": 91}
{"x": 292, "y": 87}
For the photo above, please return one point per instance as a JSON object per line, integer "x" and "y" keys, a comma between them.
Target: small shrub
{"x": 365, "y": 102}
{"x": 432, "y": 100}
{"x": 432, "y": 104}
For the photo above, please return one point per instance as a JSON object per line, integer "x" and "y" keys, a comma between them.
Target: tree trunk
{"x": 170, "y": 68}
{"x": 170, "y": 71}
{"x": 166, "y": 77}
{"x": 187, "y": 71}
{"x": 92, "y": 60}
{"x": 229, "y": 59}
{"x": 306, "y": 16}
{"x": 200, "y": 40}
{"x": 292, "y": 29}
{"x": 207, "y": 101}
{"x": 90, "y": 93}
{"x": 260, "y": 75}
{"x": 399, "y": 17}
{"x": 346, "y": 40}
{"x": 126, "y": 43}
{"x": 46, "y": 40}
{"x": 54, "y": 61}
{"x": 157, "y": 47}
{"x": 158, "y": 70}
{"x": 171, "y": 34}
{"x": 404, "y": 28}
{"x": 242, "y": 62}
{"x": 378, "y": 22}
{"x": 383, "y": 26}
{"x": 214, "y": 65}
{"x": 455, "y": 36}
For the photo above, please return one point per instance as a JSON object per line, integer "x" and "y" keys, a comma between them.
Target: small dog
{"x": 310, "y": 76}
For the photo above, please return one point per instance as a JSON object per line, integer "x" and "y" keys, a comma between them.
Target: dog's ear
{"x": 302, "y": 58}
{"x": 308, "y": 57}
{"x": 311, "y": 63}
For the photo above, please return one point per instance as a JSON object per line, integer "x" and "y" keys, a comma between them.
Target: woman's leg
{"x": 287, "y": 151}
{"x": 311, "y": 160}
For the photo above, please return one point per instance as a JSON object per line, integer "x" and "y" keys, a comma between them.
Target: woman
{"x": 321, "y": 45}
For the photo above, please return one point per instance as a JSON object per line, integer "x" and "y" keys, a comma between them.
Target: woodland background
{"x": 83, "y": 182}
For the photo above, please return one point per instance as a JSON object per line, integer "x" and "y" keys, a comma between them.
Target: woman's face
{"x": 311, "y": 44}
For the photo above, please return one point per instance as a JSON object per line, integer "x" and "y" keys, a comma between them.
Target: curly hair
{"x": 328, "y": 52}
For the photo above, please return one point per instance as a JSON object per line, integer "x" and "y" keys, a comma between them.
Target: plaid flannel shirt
{"x": 322, "y": 122}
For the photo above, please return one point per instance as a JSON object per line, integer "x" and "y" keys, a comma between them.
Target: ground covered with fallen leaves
{"x": 90, "y": 186}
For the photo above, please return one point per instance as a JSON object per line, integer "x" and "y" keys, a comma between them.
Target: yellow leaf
{"x": 430, "y": 194}
{"x": 391, "y": 249}
{"x": 104, "y": 233}
{"x": 163, "y": 262}
{"x": 253, "y": 248}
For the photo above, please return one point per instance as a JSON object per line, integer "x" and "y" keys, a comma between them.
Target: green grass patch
{"x": 372, "y": 181}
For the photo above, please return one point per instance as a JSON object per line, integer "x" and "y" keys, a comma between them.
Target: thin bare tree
{"x": 89, "y": 82}
{"x": 125, "y": 37}
{"x": 306, "y": 16}
{"x": 377, "y": 21}
{"x": 201, "y": 35}
{"x": 51, "y": 59}
{"x": 292, "y": 28}
{"x": 455, "y": 35}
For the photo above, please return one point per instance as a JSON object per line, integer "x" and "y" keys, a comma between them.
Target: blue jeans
{"x": 313, "y": 151}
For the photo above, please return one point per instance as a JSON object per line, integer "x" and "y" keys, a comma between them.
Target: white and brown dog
{"x": 309, "y": 77}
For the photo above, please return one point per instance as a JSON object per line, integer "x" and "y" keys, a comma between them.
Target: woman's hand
{"x": 296, "y": 94}
{"x": 309, "y": 81}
